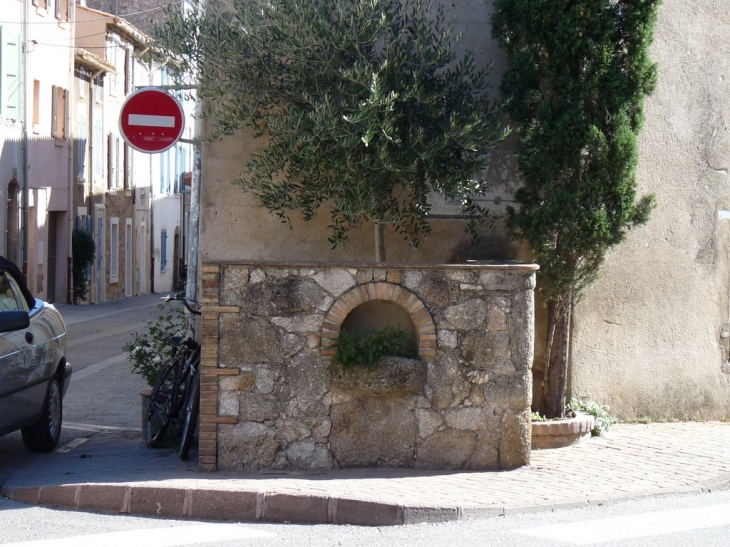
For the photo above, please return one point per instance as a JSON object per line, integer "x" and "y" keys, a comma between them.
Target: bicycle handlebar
{"x": 182, "y": 298}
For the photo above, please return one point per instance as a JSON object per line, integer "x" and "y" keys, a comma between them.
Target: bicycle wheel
{"x": 192, "y": 408}
{"x": 161, "y": 406}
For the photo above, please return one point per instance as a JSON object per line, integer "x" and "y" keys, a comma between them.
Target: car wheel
{"x": 44, "y": 435}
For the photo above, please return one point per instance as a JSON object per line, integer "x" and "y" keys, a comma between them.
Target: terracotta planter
{"x": 145, "y": 394}
{"x": 560, "y": 433}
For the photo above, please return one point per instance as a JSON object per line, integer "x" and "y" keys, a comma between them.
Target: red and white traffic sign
{"x": 151, "y": 120}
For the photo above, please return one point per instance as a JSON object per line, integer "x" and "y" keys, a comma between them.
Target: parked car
{"x": 34, "y": 374}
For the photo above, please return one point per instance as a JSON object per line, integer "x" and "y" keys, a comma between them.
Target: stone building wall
{"x": 271, "y": 399}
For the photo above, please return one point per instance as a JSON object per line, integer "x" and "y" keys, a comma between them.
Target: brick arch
{"x": 425, "y": 327}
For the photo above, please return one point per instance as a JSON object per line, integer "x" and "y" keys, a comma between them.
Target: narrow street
{"x": 104, "y": 394}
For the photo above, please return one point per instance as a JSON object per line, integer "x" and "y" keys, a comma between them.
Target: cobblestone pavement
{"x": 106, "y": 466}
{"x": 115, "y": 471}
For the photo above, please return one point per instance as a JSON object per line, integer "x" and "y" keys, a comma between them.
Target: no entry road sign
{"x": 151, "y": 121}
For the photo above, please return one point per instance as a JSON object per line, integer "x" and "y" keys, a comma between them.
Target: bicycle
{"x": 177, "y": 388}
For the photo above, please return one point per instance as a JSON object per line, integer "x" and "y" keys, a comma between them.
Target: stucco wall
{"x": 648, "y": 334}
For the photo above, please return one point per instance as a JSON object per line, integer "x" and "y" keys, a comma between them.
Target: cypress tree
{"x": 578, "y": 72}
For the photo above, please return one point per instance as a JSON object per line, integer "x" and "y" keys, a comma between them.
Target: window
{"x": 10, "y": 75}
{"x": 62, "y": 9}
{"x": 113, "y": 250}
{"x": 112, "y": 56}
{"x": 9, "y": 300}
{"x": 163, "y": 251}
{"x": 59, "y": 112}
{"x": 167, "y": 168}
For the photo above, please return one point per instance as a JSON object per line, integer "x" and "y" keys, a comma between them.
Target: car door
{"x": 22, "y": 377}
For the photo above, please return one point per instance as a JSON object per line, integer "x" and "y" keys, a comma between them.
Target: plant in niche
{"x": 147, "y": 351}
{"x": 367, "y": 350}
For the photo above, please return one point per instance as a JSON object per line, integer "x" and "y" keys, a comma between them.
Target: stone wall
{"x": 271, "y": 398}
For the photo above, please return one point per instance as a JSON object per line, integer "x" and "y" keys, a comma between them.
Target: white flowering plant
{"x": 148, "y": 350}
{"x": 603, "y": 420}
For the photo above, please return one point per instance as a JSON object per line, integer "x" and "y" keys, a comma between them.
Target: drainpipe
{"x": 192, "y": 283}
{"x": 71, "y": 102}
{"x": 26, "y": 186}
{"x": 92, "y": 205}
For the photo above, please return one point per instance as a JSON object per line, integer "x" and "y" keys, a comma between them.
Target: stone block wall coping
{"x": 497, "y": 265}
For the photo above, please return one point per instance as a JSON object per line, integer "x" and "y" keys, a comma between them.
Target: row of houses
{"x": 66, "y": 69}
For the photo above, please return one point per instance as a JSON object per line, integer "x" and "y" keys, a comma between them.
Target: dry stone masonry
{"x": 272, "y": 400}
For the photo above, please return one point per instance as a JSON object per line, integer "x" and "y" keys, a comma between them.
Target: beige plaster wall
{"x": 648, "y": 334}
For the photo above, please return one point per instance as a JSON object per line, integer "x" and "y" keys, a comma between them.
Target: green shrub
{"x": 366, "y": 351}
{"x": 84, "y": 251}
{"x": 147, "y": 351}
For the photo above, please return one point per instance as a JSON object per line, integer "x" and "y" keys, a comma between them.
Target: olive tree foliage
{"x": 578, "y": 71}
{"x": 359, "y": 107}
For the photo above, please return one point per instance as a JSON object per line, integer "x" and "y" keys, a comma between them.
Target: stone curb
{"x": 249, "y": 506}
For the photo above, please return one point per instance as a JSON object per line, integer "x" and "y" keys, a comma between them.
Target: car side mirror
{"x": 14, "y": 320}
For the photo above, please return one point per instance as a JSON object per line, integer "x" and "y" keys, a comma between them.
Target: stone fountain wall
{"x": 270, "y": 398}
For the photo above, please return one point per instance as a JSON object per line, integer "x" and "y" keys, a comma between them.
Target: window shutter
{"x": 127, "y": 167}
{"x": 97, "y": 141}
{"x": 54, "y": 111}
{"x": 163, "y": 250}
{"x": 65, "y": 132}
{"x": 81, "y": 143}
{"x": 110, "y": 160}
{"x": 10, "y": 77}
{"x": 3, "y": 98}
{"x": 117, "y": 161}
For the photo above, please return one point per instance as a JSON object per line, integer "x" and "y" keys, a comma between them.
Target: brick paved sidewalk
{"x": 114, "y": 471}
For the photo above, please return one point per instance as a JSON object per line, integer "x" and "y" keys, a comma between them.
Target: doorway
{"x": 53, "y": 217}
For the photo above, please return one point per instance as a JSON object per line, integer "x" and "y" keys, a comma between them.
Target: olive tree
{"x": 361, "y": 108}
{"x": 578, "y": 71}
